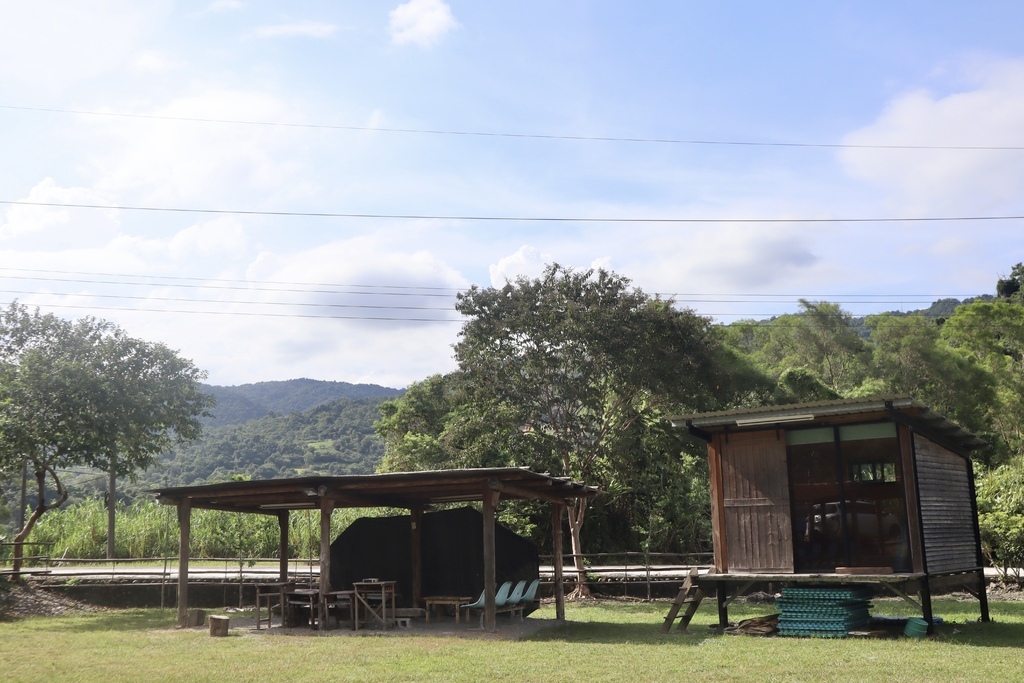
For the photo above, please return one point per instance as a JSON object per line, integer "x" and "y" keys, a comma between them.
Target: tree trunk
{"x": 17, "y": 559}
{"x": 577, "y": 509}
{"x": 111, "y": 498}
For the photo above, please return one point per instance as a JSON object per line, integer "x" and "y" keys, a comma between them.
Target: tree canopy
{"x": 84, "y": 393}
{"x": 572, "y": 372}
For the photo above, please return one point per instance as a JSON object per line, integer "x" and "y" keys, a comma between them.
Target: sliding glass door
{"x": 847, "y": 502}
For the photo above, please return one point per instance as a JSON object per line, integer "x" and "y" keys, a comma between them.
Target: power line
{"x": 226, "y": 287}
{"x": 905, "y": 297}
{"x": 222, "y": 302}
{"x": 535, "y": 136}
{"x": 904, "y": 300}
{"x": 516, "y": 219}
{"x": 744, "y": 318}
{"x": 206, "y": 280}
{"x": 242, "y": 313}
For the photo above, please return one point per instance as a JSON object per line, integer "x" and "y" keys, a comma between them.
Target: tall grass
{"x": 147, "y": 529}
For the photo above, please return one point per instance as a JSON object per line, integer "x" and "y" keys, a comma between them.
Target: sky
{"x": 282, "y": 190}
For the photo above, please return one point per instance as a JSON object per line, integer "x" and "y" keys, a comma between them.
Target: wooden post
{"x": 282, "y": 523}
{"x": 111, "y": 512}
{"x": 722, "y": 593}
{"x": 185, "y": 531}
{"x": 416, "y": 517}
{"x": 557, "y": 560}
{"x": 326, "y": 508}
{"x": 490, "y": 563}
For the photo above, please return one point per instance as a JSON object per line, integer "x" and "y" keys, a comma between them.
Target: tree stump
{"x": 195, "y": 617}
{"x": 219, "y": 625}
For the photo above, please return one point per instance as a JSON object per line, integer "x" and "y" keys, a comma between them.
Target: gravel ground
{"x": 18, "y": 601}
{"x": 26, "y": 601}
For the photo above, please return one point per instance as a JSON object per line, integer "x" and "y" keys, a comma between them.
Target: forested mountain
{"x": 246, "y": 402}
{"x": 332, "y": 438}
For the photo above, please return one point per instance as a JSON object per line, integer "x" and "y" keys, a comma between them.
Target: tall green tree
{"x": 1012, "y": 288}
{"x": 822, "y": 339}
{"x": 566, "y": 365}
{"x": 992, "y": 335}
{"x": 911, "y": 357}
{"x": 86, "y": 394}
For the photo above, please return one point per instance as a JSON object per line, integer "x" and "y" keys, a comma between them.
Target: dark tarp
{"x": 452, "y": 554}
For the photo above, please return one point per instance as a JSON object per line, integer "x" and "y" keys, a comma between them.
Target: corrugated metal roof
{"x": 910, "y": 410}
{"x": 395, "y": 489}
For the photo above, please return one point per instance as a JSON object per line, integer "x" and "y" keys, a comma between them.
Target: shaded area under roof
{"x": 399, "y": 490}
{"x": 902, "y": 408}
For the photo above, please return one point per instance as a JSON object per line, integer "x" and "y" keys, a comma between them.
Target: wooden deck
{"x": 913, "y": 588}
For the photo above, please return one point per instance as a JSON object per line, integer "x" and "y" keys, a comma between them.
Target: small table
{"x": 367, "y": 592}
{"x": 306, "y": 596}
{"x": 266, "y": 592}
{"x": 456, "y": 601}
{"x": 339, "y": 599}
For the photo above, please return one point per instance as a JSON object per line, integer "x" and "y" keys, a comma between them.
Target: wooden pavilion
{"x": 876, "y": 491}
{"x": 413, "y": 491}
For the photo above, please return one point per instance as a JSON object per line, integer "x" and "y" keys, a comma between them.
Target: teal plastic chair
{"x": 531, "y": 593}
{"x": 500, "y": 598}
{"x": 526, "y": 599}
{"x": 517, "y": 594}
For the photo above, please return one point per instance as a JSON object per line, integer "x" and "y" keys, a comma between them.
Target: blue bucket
{"x": 916, "y": 628}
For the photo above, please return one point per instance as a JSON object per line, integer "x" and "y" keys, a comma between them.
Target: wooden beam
{"x": 557, "y": 560}
{"x": 282, "y": 525}
{"x": 416, "y": 521}
{"x": 326, "y": 508}
{"x": 911, "y": 502}
{"x": 184, "y": 535}
{"x": 718, "y": 539}
{"x": 490, "y": 563}
{"x": 525, "y": 492}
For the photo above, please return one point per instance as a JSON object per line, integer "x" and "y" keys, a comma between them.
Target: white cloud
{"x": 58, "y": 227}
{"x": 169, "y": 161}
{"x": 934, "y": 181}
{"x": 152, "y": 61}
{"x": 526, "y": 262}
{"x": 51, "y": 45}
{"x": 298, "y": 29}
{"x": 225, "y": 6}
{"x": 421, "y": 22}
{"x": 221, "y": 236}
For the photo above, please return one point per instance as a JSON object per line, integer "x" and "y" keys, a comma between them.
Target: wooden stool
{"x": 219, "y": 625}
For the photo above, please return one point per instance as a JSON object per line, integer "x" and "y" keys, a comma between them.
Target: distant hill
{"x": 238, "y": 404}
{"x": 943, "y": 308}
{"x": 332, "y": 438}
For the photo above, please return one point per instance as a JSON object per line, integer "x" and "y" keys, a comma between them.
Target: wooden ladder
{"x": 690, "y": 595}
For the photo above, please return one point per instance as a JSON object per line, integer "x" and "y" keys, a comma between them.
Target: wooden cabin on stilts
{"x": 870, "y": 491}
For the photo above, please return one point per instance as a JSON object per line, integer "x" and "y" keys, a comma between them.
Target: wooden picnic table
{"x": 266, "y": 592}
{"x": 305, "y": 597}
{"x": 457, "y": 601}
{"x": 373, "y": 596}
{"x": 339, "y": 599}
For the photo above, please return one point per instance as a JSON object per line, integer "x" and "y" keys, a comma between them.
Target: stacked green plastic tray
{"x": 823, "y": 612}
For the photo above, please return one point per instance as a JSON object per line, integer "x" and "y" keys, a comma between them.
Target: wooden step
{"x": 691, "y": 596}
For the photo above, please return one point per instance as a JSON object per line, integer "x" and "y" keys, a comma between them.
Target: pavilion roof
{"x": 396, "y": 489}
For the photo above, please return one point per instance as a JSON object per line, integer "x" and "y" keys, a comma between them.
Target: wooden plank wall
{"x": 755, "y": 502}
{"x": 946, "y": 513}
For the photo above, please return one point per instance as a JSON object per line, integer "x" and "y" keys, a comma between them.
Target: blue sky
{"x": 549, "y": 110}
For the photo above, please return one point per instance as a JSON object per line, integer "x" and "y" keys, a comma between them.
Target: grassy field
{"x": 600, "y": 642}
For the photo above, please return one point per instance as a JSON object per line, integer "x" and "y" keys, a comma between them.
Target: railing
{"x": 629, "y": 570}
{"x": 609, "y": 573}
{"x": 28, "y": 566}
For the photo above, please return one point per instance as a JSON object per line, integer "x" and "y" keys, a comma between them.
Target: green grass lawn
{"x": 600, "y": 642}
